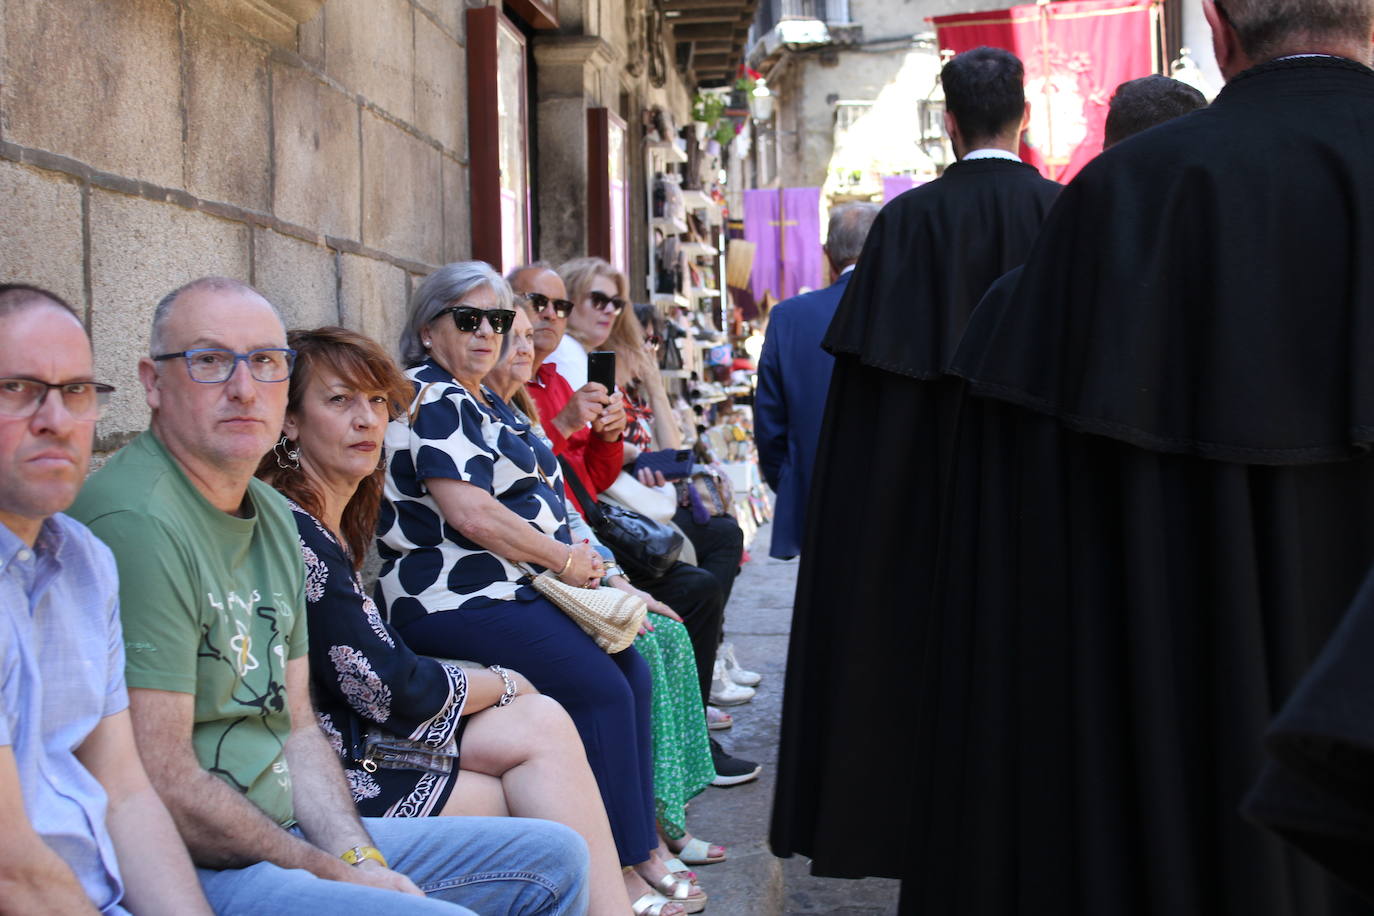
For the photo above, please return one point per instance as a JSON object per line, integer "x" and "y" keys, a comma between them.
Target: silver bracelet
{"x": 509, "y": 693}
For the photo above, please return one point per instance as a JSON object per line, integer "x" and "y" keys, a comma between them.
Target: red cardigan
{"x": 596, "y": 462}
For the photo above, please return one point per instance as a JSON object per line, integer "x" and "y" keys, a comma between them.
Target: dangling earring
{"x": 283, "y": 450}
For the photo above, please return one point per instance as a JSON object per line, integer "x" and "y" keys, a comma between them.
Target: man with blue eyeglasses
{"x": 215, "y": 634}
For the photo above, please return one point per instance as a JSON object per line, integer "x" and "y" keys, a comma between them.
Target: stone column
{"x": 570, "y": 69}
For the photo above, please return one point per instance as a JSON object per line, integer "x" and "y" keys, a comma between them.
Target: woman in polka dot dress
{"x": 470, "y": 493}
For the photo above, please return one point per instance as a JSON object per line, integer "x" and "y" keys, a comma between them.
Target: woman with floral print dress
{"x": 518, "y": 753}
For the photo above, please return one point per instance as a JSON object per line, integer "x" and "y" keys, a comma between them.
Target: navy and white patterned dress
{"x": 453, "y": 599}
{"x": 428, "y": 565}
{"x": 362, "y": 674}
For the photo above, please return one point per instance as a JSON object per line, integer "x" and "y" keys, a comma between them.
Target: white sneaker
{"x": 725, "y": 692}
{"x": 733, "y": 671}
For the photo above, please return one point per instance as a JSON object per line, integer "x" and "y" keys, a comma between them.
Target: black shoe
{"x": 731, "y": 771}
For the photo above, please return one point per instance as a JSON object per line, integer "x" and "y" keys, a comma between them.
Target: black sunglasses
{"x": 600, "y": 300}
{"x": 467, "y": 318}
{"x": 561, "y": 307}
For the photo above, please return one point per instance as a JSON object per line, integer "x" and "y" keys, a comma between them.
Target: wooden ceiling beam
{"x": 692, "y": 31}
{"x": 729, "y": 16}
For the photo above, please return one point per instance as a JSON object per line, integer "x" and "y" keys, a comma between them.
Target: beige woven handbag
{"x": 609, "y": 616}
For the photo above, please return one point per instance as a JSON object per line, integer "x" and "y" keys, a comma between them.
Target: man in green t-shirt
{"x": 212, "y": 590}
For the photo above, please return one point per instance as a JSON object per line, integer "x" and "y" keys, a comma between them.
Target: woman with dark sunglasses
{"x": 598, "y": 293}
{"x": 471, "y": 495}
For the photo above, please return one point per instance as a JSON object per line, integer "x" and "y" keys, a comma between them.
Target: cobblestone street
{"x": 752, "y": 882}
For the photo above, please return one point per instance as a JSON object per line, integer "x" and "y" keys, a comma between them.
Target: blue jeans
{"x": 490, "y": 865}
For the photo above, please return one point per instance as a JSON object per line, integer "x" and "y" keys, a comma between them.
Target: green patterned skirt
{"x": 682, "y": 751}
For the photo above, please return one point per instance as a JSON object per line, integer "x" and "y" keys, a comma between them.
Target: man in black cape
{"x": 846, "y": 752}
{"x": 1135, "y": 105}
{"x": 1318, "y": 790}
{"x": 1154, "y": 504}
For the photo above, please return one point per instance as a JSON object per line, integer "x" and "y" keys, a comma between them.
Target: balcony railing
{"x": 771, "y": 12}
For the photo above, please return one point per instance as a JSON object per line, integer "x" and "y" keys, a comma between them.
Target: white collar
{"x": 845, "y": 271}
{"x": 990, "y": 152}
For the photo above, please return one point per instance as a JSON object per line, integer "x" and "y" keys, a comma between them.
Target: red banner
{"x": 1076, "y": 52}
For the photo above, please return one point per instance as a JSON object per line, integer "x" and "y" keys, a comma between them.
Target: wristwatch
{"x": 359, "y": 854}
{"x": 613, "y": 569}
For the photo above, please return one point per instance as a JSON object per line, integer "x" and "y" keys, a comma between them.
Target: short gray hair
{"x": 533, "y": 265}
{"x": 1268, "y": 28}
{"x": 163, "y": 313}
{"x": 849, "y": 225}
{"x": 441, "y": 289}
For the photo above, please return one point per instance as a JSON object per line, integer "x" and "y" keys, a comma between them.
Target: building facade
{"x": 329, "y": 152}
{"x": 856, "y": 94}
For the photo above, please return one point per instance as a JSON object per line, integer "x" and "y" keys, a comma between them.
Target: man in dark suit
{"x": 794, "y": 376}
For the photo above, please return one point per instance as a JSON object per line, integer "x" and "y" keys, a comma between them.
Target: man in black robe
{"x": 1135, "y": 105}
{"x": 1154, "y": 502}
{"x": 1141, "y": 103}
{"x": 845, "y": 756}
{"x": 1317, "y": 791}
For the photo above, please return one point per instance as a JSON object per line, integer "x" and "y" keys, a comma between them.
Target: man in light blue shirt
{"x": 84, "y": 832}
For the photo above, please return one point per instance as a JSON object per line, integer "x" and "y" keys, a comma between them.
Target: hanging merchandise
{"x": 669, "y": 266}
{"x": 660, "y": 206}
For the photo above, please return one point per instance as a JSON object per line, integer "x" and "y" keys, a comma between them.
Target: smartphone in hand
{"x": 601, "y": 368}
{"x": 672, "y": 463}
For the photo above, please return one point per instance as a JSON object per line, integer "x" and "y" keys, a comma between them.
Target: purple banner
{"x": 786, "y": 228}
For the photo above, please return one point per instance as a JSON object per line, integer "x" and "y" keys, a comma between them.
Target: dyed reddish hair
{"x": 361, "y": 363}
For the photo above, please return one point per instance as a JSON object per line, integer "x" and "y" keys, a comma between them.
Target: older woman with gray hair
{"x": 470, "y": 493}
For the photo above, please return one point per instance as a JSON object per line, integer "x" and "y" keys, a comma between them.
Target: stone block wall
{"x": 316, "y": 149}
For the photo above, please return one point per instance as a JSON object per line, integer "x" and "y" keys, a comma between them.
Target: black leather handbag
{"x": 644, "y": 548}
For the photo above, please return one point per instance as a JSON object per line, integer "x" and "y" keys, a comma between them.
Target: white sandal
{"x": 679, "y": 868}
{"x": 698, "y": 852}
{"x": 651, "y": 903}
{"x": 680, "y": 890}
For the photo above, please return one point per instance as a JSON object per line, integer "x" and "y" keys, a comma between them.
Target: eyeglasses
{"x": 20, "y": 398}
{"x": 600, "y": 300}
{"x": 467, "y": 318}
{"x": 561, "y": 307}
{"x": 653, "y": 342}
{"x": 212, "y": 365}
